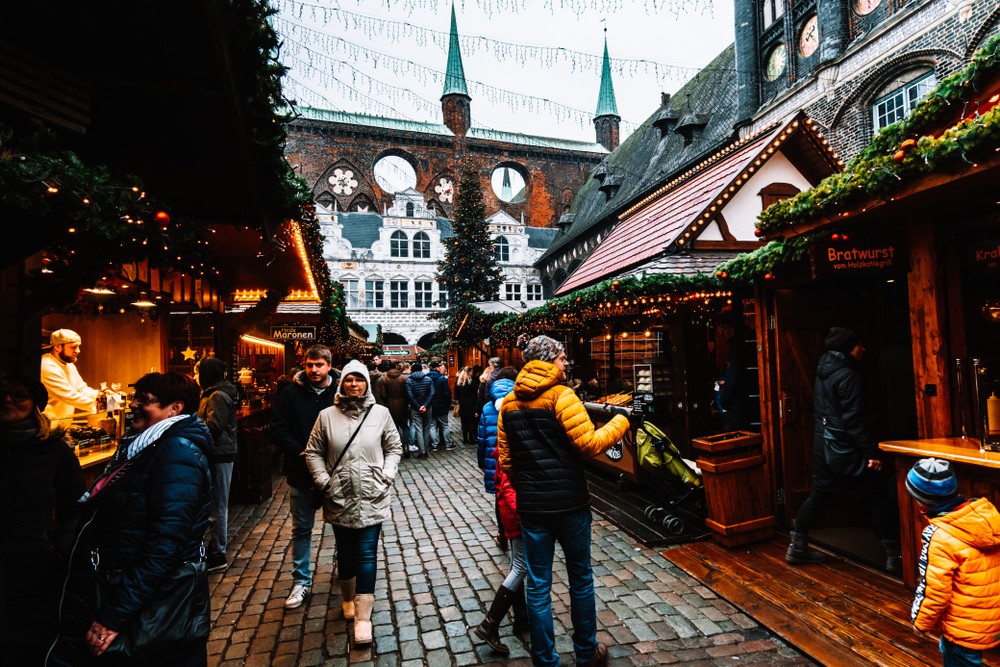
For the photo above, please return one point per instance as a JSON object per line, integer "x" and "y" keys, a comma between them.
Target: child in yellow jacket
{"x": 958, "y": 591}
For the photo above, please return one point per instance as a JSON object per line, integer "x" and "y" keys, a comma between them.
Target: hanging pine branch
{"x": 469, "y": 271}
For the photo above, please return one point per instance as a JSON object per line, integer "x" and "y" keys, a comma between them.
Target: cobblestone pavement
{"x": 438, "y": 571}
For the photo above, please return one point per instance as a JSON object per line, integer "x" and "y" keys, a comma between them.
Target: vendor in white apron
{"x": 68, "y": 392}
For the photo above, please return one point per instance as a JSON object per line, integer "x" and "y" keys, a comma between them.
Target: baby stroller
{"x": 676, "y": 482}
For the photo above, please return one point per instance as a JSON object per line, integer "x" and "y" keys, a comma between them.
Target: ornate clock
{"x": 775, "y": 63}
{"x": 809, "y": 37}
{"x": 866, "y": 6}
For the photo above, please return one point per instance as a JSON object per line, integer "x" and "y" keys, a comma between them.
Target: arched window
{"x": 501, "y": 249}
{"x": 900, "y": 97}
{"x": 398, "y": 245}
{"x": 421, "y": 246}
{"x": 409, "y": 209}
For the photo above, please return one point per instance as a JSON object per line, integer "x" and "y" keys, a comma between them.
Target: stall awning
{"x": 671, "y": 218}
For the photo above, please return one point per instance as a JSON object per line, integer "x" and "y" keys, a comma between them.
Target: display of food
{"x": 87, "y": 438}
{"x": 621, "y": 399}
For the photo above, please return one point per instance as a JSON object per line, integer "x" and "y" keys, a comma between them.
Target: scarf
{"x": 17, "y": 432}
{"x": 350, "y": 406}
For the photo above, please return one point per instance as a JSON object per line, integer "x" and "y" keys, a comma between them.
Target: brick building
{"x": 357, "y": 164}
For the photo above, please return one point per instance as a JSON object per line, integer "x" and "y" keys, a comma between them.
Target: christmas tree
{"x": 469, "y": 270}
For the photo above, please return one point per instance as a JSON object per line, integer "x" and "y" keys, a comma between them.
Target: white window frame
{"x": 423, "y": 293}
{"x": 399, "y": 244}
{"x": 351, "y": 293}
{"x": 512, "y": 291}
{"x": 533, "y": 292}
{"x": 374, "y": 294}
{"x": 421, "y": 246}
{"x": 501, "y": 249}
{"x": 399, "y": 293}
{"x": 903, "y": 100}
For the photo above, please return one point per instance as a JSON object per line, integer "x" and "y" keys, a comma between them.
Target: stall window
{"x": 501, "y": 249}
{"x": 351, "y": 293}
{"x": 512, "y": 292}
{"x": 534, "y": 292}
{"x": 398, "y": 294}
{"x": 398, "y": 245}
{"x": 374, "y": 294}
{"x": 421, "y": 246}
{"x": 423, "y": 293}
{"x": 899, "y": 102}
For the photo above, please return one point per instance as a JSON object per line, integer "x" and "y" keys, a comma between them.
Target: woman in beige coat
{"x": 353, "y": 454}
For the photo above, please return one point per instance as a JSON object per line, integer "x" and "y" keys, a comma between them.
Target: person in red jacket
{"x": 958, "y": 589}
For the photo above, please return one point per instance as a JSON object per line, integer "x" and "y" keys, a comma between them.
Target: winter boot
{"x": 798, "y": 550}
{"x": 347, "y": 596}
{"x": 520, "y": 607}
{"x": 363, "y": 618}
{"x": 488, "y": 629}
{"x": 893, "y": 557}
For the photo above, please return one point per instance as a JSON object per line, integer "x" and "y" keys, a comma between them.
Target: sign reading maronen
{"x": 284, "y": 333}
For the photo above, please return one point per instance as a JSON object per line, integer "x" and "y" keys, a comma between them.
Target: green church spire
{"x": 606, "y": 105}
{"x": 454, "y": 77}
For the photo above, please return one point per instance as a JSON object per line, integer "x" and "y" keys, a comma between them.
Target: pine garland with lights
{"x": 469, "y": 271}
{"x": 906, "y": 150}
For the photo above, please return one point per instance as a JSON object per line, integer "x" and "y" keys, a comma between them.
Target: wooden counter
{"x": 978, "y": 475}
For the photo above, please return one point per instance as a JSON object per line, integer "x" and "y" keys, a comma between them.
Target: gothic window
{"x": 512, "y": 292}
{"x": 398, "y": 294}
{"x": 399, "y": 245}
{"x": 534, "y": 291}
{"x": 773, "y": 10}
{"x": 421, "y": 246}
{"x": 423, "y": 293}
{"x": 445, "y": 189}
{"x": 501, "y": 249}
{"x": 899, "y": 102}
{"x": 351, "y": 293}
{"x": 374, "y": 294}
{"x": 343, "y": 181}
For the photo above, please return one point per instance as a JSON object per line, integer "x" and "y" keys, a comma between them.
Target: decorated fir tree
{"x": 469, "y": 270}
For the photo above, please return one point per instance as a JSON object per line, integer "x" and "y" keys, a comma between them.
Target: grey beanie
{"x": 932, "y": 482}
{"x": 540, "y": 348}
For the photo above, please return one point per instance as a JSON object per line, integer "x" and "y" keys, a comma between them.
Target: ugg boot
{"x": 520, "y": 607}
{"x": 347, "y": 596}
{"x": 487, "y": 630}
{"x": 363, "y": 618}
{"x": 893, "y": 557}
{"x": 798, "y": 550}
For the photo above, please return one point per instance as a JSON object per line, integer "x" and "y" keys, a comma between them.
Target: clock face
{"x": 866, "y": 6}
{"x": 775, "y": 63}
{"x": 809, "y": 37}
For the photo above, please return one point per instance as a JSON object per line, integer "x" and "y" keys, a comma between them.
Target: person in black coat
{"x": 466, "y": 395}
{"x": 40, "y": 482}
{"x": 143, "y": 519}
{"x": 839, "y": 404}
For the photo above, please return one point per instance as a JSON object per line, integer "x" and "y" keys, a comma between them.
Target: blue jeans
{"x": 954, "y": 655}
{"x": 357, "y": 556}
{"x": 421, "y": 423}
{"x": 440, "y": 430}
{"x": 303, "y": 518}
{"x": 540, "y": 535}
{"x": 218, "y": 518}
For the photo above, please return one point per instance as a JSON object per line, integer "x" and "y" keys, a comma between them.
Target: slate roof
{"x": 683, "y": 264}
{"x": 361, "y": 229}
{"x": 540, "y": 237}
{"x": 644, "y": 160}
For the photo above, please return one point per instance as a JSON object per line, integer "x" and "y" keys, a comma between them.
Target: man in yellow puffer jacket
{"x": 958, "y": 591}
{"x": 543, "y": 432}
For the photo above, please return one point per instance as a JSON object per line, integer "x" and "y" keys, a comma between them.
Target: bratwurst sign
{"x": 838, "y": 257}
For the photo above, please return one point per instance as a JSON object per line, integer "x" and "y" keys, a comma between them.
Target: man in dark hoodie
{"x": 292, "y": 418}
{"x": 440, "y": 407}
{"x": 217, "y": 408}
{"x": 420, "y": 391}
{"x": 841, "y": 414}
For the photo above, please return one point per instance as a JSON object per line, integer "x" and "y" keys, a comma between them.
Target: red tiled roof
{"x": 645, "y": 233}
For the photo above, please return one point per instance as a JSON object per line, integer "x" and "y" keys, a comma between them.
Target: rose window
{"x": 343, "y": 181}
{"x": 444, "y": 189}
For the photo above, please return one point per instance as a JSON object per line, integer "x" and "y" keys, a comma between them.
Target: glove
{"x": 617, "y": 410}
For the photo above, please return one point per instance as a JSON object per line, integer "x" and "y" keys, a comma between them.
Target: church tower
{"x": 606, "y": 118}
{"x": 455, "y": 99}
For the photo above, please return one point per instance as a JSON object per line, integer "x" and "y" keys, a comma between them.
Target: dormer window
{"x": 610, "y": 186}
{"x": 665, "y": 121}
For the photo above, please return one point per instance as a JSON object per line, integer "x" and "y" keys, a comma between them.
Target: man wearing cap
{"x": 958, "y": 590}
{"x": 839, "y": 406}
{"x": 67, "y": 390}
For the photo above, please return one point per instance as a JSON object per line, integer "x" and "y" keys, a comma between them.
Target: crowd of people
{"x": 117, "y": 573}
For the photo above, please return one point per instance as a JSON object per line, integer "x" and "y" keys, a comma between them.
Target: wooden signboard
{"x": 837, "y": 257}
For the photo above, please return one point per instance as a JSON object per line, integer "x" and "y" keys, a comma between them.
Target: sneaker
{"x": 216, "y": 564}
{"x": 414, "y": 449}
{"x": 297, "y": 597}
{"x": 450, "y": 446}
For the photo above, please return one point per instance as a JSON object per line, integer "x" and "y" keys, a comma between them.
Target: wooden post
{"x": 927, "y": 327}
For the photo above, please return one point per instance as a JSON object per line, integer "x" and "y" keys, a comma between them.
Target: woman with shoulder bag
{"x": 137, "y": 592}
{"x": 353, "y": 454}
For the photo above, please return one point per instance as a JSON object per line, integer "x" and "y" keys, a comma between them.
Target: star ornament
{"x": 188, "y": 354}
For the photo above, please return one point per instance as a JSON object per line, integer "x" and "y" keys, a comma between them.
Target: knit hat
{"x": 210, "y": 371}
{"x": 434, "y": 364}
{"x": 64, "y": 336}
{"x": 932, "y": 482}
{"x": 416, "y": 367}
{"x": 540, "y": 348}
{"x": 39, "y": 394}
{"x": 840, "y": 339}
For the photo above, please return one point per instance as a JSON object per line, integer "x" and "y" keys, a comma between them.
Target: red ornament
{"x": 768, "y": 276}
{"x": 898, "y": 157}
{"x": 614, "y": 284}
{"x": 835, "y": 237}
{"x": 722, "y": 274}
{"x": 908, "y": 144}
{"x": 163, "y": 218}
{"x": 843, "y": 237}
{"x": 758, "y": 232}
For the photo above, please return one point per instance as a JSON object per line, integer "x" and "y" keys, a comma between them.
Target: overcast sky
{"x": 532, "y": 66}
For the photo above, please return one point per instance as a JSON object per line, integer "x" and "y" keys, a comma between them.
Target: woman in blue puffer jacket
{"x": 487, "y": 439}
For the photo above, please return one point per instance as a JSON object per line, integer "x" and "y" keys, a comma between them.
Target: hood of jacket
{"x": 833, "y": 361}
{"x": 224, "y": 386}
{"x": 416, "y": 376}
{"x": 535, "y": 378}
{"x": 355, "y": 367}
{"x": 499, "y": 391}
{"x": 394, "y": 373}
{"x": 976, "y": 523}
